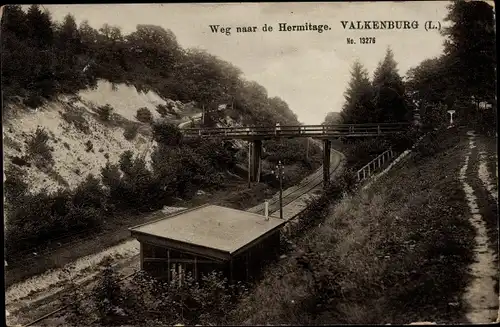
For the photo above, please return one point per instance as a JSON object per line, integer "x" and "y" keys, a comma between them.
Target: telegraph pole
{"x": 279, "y": 175}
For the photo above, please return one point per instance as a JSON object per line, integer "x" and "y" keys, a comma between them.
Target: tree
{"x": 389, "y": 91}
{"x": 332, "y": 118}
{"x": 358, "y": 106}
{"x": 155, "y": 46}
{"x": 470, "y": 51}
{"x": 69, "y": 35}
{"x": 282, "y": 110}
{"x": 69, "y": 47}
{"x": 14, "y": 21}
{"x": 427, "y": 89}
{"x": 40, "y": 29}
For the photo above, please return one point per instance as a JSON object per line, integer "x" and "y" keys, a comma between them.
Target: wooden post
{"x": 231, "y": 270}
{"x": 169, "y": 275}
{"x": 203, "y": 115}
{"x": 195, "y": 268}
{"x": 249, "y": 163}
{"x": 246, "y": 264}
{"x": 179, "y": 268}
{"x": 256, "y": 160}
{"x": 326, "y": 161}
{"x": 141, "y": 249}
{"x": 281, "y": 190}
{"x": 307, "y": 150}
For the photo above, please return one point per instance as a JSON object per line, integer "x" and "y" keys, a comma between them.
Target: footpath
{"x": 477, "y": 176}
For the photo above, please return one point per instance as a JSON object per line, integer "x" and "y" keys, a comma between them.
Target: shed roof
{"x": 210, "y": 226}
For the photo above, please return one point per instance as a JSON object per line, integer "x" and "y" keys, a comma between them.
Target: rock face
{"x": 80, "y": 142}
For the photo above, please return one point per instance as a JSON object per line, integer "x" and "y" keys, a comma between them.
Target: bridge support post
{"x": 327, "y": 146}
{"x": 256, "y": 160}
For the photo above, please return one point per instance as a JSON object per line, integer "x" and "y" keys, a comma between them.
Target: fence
{"x": 366, "y": 171}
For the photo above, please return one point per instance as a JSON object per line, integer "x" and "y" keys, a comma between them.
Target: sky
{"x": 307, "y": 69}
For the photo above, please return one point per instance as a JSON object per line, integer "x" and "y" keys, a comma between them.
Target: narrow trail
{"x": 480, "y": 295}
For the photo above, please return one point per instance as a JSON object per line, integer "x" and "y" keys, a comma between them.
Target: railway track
{"x": 54, "y": 305}
{"x": 293, "y": 193}
{"x": 290, "y": 195}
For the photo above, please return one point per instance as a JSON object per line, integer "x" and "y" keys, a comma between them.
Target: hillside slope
{"x": 72, "y": 122}
{"x": 409, "y": 248}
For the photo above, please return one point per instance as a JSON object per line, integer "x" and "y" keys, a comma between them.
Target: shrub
{"x": 162, "y": 110}
{"x": 146, "y": 300}
{"x": 290, "y": 151}
{"x": 108, "y": 296}
{"x": 15, "y": 185}
{"x": 76, "y": 119}
{"x": 39, "y": 150}
{"x": 33, "y": 101}
{"x": 136, "y": 188}
{"x": 35, "y": 219}
{"x": 144, "y": 115}
{"x": 167, "y": 134}
{"x": 359, "y": 153}
{"x": 404, "y": 140}
{"x": 89, "y": 146}
{"x": 105, "y": 112}
{"x": 130, "y": 132}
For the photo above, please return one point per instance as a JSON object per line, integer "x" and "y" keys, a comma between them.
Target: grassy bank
{"x": 396, "y": 253}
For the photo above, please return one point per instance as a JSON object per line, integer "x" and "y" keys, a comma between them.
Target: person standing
{"x": 277, "y": 130}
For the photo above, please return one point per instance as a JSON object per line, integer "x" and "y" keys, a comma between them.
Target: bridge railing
{"x": 367, "y": 170}
{"x": 297, "y": 130}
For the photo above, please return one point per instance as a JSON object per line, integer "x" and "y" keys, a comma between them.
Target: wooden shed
{"x": 208, "y": 238}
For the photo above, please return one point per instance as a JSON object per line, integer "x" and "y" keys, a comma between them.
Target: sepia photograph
{"x": 250, "y": 163}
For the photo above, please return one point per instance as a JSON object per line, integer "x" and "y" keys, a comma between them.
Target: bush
{"x": 404, "y": 140}
{"x": 360, "y": 152}
{"x": 76, "y": 119}
{"x": 15, "y": 185}
{"x": 162, "y": 110}
{"x": 108, "y": 296}
{"x": 89, "y": 146}
{"x": 39, "y": 150}
{"x": 136, "y": 188}
{"x": 130, "y": 132}
{"x": 290, "y": 151}
{"x": 144, "y": 115}
{"x": 146, "y": 300}
{"x": 35, "y": 219}
{"x": 167, "y": 134}
{"x": 105, "y": 112}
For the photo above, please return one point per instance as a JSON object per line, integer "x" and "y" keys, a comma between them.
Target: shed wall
{"x": 159, "y": 261}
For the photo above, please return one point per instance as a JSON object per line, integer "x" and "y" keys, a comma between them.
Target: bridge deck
{"x": 314, "y": 131}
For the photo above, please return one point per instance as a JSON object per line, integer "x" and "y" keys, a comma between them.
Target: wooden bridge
{"x": 251, "y": 133}
{"x": 256, "y": 134}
